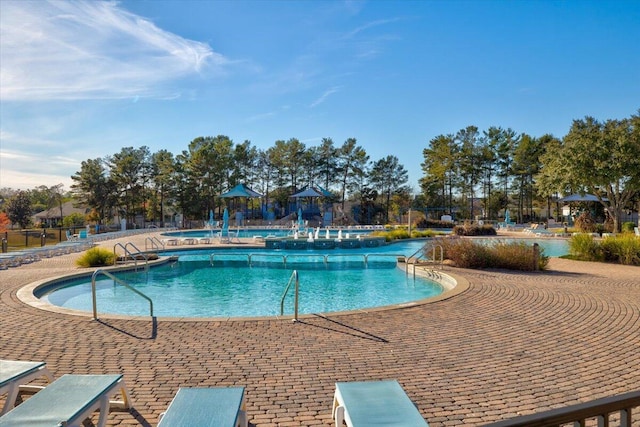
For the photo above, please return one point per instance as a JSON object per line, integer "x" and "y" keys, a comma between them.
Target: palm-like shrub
{"x": 96, "y": 257}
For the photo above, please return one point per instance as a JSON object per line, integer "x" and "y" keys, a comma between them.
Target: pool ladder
{"x": 118, "y": 281}
{"x": 132, "y": 255}
{"x": 435, "y": 249}
{"x": 293, "y": 279}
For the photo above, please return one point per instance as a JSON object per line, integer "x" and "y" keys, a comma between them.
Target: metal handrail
{"x": 120, "y": 282}
{"x": 578, "y": 414}
{"x": 155, "y": 243}
{"x": 294, "y": 278}
{"x": 131, "y": 254}
{"x": 285, "y": 258}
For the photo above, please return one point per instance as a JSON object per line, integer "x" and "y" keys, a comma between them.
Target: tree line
{"x": 138, "y": 182}
{"x": 481, "y": 174}
{"x": 469, "y": 174}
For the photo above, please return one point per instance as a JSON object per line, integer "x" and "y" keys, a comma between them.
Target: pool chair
{"x": 374, "y": 403}
{"x": 68, "y": 401}
{"x": 206, "y": 407}
{"x": 15, "y": 376}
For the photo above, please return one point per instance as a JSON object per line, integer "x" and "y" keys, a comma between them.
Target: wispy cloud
{"x": 324, "y": 97}
{"x": 53, "y": 50}
{"x": 369, "y": 25}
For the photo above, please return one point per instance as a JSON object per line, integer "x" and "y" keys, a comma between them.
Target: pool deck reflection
{"x": 513, "y": 343}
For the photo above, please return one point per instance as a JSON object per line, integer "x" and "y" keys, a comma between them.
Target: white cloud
{"x": 54, "y": 50}
{"x": 323, "y": 97}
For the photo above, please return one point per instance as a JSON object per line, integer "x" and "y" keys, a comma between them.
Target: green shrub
{"x": 434, "y": 223}
{"x": 416, "y": 234}
{"x": 584, "y": 247}
{"x": 96, "y": 257}
{"x": 467, "y": 253}
{"x": 623, "y": 249}
{"x": 627, "y": 227}
{"x": 474, "y": 230}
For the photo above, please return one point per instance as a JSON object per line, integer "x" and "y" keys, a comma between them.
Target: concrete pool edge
{"x": 453, "y": 285}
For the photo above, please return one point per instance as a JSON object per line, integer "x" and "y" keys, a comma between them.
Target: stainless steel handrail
{"x": 133, "y": 256}
{"x": 120, "y": 282}
{"x": 294, "y": 278}
{"x": 155, "y": 243}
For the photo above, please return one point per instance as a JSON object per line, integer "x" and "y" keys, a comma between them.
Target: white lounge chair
{"x": 15, "y": 376}
{"x": 374, "y": 403}
{"x": 68, "y": 401}
{"x": 206, "y": 407}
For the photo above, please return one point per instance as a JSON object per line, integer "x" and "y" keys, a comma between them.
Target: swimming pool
{"x": 233, "y": 282}
{"x": 250, "y": 283}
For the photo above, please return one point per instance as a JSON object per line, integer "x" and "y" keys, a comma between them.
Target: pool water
{"x": 193, "y": 288}
{"x": 233, "y": 282}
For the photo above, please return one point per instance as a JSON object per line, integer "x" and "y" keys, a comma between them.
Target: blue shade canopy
{"x": 241, "y": 190}
{"x": 308, "y": 192}
{"x": 577, "y": 197}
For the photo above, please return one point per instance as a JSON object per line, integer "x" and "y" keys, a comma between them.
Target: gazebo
{"x": 240, "y": 191}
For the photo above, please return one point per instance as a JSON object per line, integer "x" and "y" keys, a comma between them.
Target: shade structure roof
{"x": 577, "y": 197}
{"x": 312, "y": 192}
{"x": 241, "y": 190}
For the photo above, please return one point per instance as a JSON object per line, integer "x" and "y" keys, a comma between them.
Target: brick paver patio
{"x": 513, "y": 343}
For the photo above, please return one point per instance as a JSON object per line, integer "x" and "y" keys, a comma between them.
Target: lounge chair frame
{"x": 206, "y": 407}
{"x": 68, "y": 401}
{"x": 374, "y": 403}
{"x": 15, "y": 376}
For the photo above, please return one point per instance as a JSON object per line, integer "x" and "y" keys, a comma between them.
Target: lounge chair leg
{"x": 339, "y": 416}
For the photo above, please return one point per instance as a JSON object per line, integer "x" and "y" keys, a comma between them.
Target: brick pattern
{"x": 512, "y": 344}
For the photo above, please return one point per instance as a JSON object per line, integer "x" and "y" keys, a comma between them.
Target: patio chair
{"x": 71, "y": 237}
{"x": 68, "y": 401}
{"x": 374, "y": 403}
{"x": 206, "y": 407}
{"x": 15, "y": 376}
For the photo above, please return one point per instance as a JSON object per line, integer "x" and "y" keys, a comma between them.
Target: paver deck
{"x": 513, "y": 343}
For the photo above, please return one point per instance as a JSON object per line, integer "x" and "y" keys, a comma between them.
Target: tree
{"x": 4, "y": 221}
{"x": 390, "y": 177}
{"x": 130, "y": 171}
{"x": 600, "y": 158}
{"x": 93, "y": 188}
{"x": 163, "y": 171}
{"x": 351, "y": 165}
{"x": 439, "y": 168}
{"x": 526, "y": 164}
{"x": 19, "y": 209}
{"x": 469, "y": 163}
{"x": 327, "y": 162}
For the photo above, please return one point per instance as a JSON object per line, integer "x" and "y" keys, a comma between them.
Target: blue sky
{"x": 82, "y": 79}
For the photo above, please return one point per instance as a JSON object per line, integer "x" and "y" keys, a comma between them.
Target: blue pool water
{"x": 232, "y": 282}
{"x": 263, "y": 232}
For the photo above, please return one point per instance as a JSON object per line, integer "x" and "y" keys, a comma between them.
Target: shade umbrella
{"x": 211, "y": 218}
{"x": 225, "y": 219}
{"x": 300, "y": 220}
{"x": 576, "y": 197}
